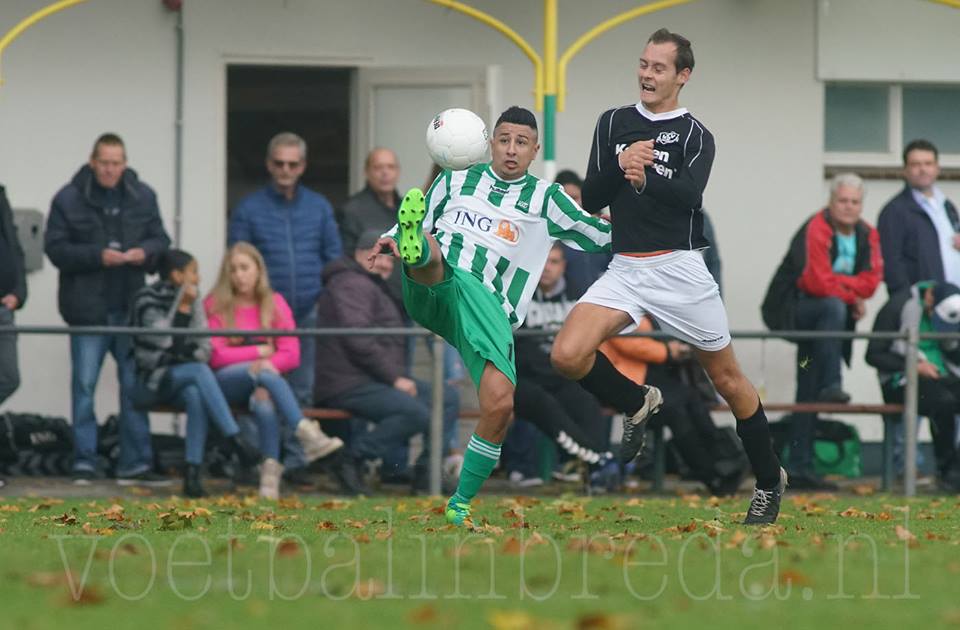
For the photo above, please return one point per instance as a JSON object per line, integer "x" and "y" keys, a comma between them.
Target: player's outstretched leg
{"x": 410, "y": 219}
{"x": 722, "y": 368}
{"x": 483, "y": 449}
{"x": 575, "y": 356}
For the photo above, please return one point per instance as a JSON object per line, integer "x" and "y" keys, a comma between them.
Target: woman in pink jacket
{"x": 249, "y": 368}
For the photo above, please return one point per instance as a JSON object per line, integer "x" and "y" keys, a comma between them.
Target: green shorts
{"x": 465, "y": 313}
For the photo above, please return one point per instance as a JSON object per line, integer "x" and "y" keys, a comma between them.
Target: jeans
{"x": 818, "y": 368}
{"x": 86, "y": 359}
{"x": 238, "y": 385}
{"x": 398, "y": 416}
{"x": 301, "y": 378}
{"x": 9, "y": 371}
{"x": 194, "y": 388}
{"x": 939, "y": 400}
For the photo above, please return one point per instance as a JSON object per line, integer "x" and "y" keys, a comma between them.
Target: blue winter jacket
{"x": 297, "y": 238}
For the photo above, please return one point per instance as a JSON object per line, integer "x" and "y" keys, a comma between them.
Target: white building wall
{"x": 109, "y": 65}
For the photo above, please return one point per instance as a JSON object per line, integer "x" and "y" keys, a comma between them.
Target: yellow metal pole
{"x": 950, "y": 3}
{"x": 43, "y": 13}
{"x": 507, "y": 32}
{"x": 602, "y": 28}
{"x": 550, "y": 89}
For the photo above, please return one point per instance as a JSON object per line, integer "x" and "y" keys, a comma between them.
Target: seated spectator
{"x": 173, "y": 370}
{"x": 559, "y": 407}
{"x": 365, "y": 374}
{"x": 832, "y": 266}
{"x": 249, "y": 368}
{"x": 583, "y": 268}
{"x": 646, "y": 360}
{"x": 929, "y": 306}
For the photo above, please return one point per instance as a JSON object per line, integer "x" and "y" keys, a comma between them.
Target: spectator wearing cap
{"x": 930, "y": 307}
{"x": 365, "y": 375}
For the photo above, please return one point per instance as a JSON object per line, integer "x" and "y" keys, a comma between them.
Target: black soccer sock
{"x": 612, "y": 388}
{"x": 754, "y": 432}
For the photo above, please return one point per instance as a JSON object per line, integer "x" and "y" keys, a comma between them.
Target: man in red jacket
{"x": 835, "y": 258}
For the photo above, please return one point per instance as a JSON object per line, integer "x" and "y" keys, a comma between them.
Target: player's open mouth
{"x": 647, "y": 87}
{"x": 510, "y": 163}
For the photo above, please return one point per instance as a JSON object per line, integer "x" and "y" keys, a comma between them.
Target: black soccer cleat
{"x": 635, "y": 428}
{"x": 765, "y": 504}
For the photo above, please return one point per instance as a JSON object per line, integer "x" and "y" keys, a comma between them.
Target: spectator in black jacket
{"x": 104, "y": 233}
{"x": 919, "y": 228}
{"x": 13, "y": 294}
{"x": 560, "y": 408}
{"x": 365, "y": 375}
{"x": 930, "y": 306}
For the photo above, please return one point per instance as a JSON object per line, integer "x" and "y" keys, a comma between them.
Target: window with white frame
{"x": 868, "y": 124}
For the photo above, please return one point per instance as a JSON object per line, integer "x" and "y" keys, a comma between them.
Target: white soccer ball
{"x": 457, "y": 139}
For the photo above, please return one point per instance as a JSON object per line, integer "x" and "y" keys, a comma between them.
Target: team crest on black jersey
{"x": 668, "y": 137}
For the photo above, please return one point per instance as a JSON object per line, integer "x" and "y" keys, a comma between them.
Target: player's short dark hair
{"x": 568, "y": 177}
{"x": 920, "y": 145}
{"x": 518, "y": 116}
{"x": 108, "y": 139}
{"x": 684, "y": 50}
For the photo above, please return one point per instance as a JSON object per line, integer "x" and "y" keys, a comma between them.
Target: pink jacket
{"x": 287, "y": 354}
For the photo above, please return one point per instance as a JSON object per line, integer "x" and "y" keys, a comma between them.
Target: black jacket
{"x": 8, "y": 233}
{"x": 356, "y": 298}
{"x": 76, "y": 237}
{"x": 908, "y": 239}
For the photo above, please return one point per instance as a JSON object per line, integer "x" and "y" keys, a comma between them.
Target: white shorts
{"x": 675, "y": 289}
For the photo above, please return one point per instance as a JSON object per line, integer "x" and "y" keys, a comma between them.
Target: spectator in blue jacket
{"x": 104, "y": 234}
{"x": 295, "y": 230}
{"x": 919, "y": 228}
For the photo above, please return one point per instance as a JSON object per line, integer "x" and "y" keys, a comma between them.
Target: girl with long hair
{"x": 250, "y": 368}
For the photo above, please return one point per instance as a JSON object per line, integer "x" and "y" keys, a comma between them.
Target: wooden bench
{"x": 892, "y": 414}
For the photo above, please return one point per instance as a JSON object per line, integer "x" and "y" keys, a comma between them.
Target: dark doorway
{"x": 311, "y": 102}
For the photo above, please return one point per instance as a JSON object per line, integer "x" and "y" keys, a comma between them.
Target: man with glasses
{"x": 295, "y": 230}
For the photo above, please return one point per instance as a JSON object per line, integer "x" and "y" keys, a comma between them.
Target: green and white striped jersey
{"x": 502, "y": 231}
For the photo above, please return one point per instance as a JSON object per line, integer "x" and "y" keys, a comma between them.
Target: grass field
{"x": 874, "y": 561}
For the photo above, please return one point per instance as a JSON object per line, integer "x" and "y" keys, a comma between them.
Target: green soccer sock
{"x": 424, "y": 253}
{"x": 478, "y": 462}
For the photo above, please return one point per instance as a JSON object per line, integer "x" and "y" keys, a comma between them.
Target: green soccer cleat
{"x": 410, "y": 219}
{"x": 458, "y": 513}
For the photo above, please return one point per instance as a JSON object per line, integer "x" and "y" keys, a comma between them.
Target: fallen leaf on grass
{"x": 261, "y": 526}
{"x": 46, "y": 579}
{"x": 88, "y": 596}
{"x": 423, "y": 614}
{"x": 792, "y": 576}
{"x": 336, "y": 504}
{"x": 903, "y": 533}
{"x": 368, "y": 589}
{"x": 511, "y": 620}
{"x": 864, "y": 489}
{"x": 600, "y": 621}
{"x": 288, "y": 548}
{"x": 384, "y": 534}
{"x": 512, "y": 547}
{"x": 356, "y": 524}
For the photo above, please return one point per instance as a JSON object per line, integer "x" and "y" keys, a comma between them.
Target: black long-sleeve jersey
{"x": 666, "y": 212}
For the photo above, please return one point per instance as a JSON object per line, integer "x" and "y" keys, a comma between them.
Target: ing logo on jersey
{"x": 668, "y": 137}
{"x": 503, "y": 229}
{"x": 507, "y": 231}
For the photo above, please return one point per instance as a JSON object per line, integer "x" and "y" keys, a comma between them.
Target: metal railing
{"x": 911, "y": 337}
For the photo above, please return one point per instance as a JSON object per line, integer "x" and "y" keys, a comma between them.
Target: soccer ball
{"x": 457, "y": 139}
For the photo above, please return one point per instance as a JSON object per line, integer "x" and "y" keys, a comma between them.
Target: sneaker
{"x": 86, "y": 477}
{"x": 410, "y": 219}
{"x": 316, "y": 444}
{"x": 458, "y": 513}
{"x": 519, "y": 480}
{"x": 635, "y": 428}
{"x": 347, "y": 470}
{"x": 146, "y": 478}
{"x": 270, "y": 472}
{"x": 765, "y": 504}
